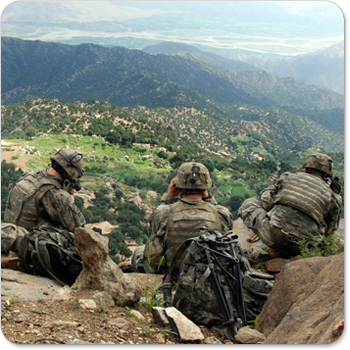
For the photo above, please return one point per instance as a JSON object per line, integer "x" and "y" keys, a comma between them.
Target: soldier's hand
{"x": 173, "y": 190}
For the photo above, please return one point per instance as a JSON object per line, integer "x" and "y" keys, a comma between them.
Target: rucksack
{"x": 50, "y": 251}
{"x": 209, "y": 282}
{"x": 212, "y": 280}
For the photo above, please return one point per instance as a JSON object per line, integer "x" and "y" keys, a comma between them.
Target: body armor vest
{"x": 307, "y": 193}
{"x": 23, "y": 202}
{"x": 184, "y": 222}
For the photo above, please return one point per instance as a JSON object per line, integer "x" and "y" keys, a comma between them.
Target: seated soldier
{"x": 41, "y": 198}
{"x": 178, "y": 219}
{"x": 299, "y": 206}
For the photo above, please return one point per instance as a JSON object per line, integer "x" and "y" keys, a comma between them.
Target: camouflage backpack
{"x": 208, "y": 284}
{"x": 50, "y": 251}
{"x": 215, "y": 286}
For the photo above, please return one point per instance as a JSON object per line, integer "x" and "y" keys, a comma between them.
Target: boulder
{"x": 252, "y": 251}
{"x": 100, "y": 273}
{"x": 306, "y": 305}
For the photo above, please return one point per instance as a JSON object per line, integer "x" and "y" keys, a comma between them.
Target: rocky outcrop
{"x": 306, "y": 305}
{"x": 252, "y": 251}
{"x": 20, "y": 285}
{"x": 100, "y": 273}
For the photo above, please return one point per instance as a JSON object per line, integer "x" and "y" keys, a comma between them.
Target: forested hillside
{"x": 134, "y": 152}
{"x": 34, "y": 69}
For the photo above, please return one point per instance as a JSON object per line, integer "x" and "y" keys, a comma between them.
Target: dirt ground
{"x": 33, "y": 311}
{"x": 62, "y": 322}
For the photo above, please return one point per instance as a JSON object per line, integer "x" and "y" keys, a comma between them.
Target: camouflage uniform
{"x": 38, "y": 199}
{"x": 299, "y": 206}
{"x": 177, "y": 220}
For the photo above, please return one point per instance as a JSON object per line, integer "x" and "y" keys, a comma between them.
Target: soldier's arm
{"x": 225, "y": 218}
{"x": 333, "y": 216}
{"x": 159, "y": 219}
{"x": 267, "y": 197}
{"x": 168, "y": 198}
{"x": 61, "y": 209}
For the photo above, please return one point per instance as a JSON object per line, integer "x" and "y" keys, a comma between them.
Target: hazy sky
{"x": 233, "y": 27}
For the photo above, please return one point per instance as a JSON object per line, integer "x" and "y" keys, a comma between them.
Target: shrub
{"x": 330, "y": 245}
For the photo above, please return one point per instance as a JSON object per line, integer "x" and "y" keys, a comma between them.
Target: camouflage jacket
{"x": 159, "y": 218}
{"x": 308, "y": 209}
{"x": 38, "y": 199}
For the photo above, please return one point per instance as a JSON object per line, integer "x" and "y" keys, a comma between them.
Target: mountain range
{"x": 129, "y": 78}
{"x": 324, "y": 67}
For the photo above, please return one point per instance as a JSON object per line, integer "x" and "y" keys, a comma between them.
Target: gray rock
{"x": 212, "y": 340}
{"x": 120, "y": 323}
{"x": 20, "y": 285}
{"x": 88, "y": 304}
{"x": 252, "y": 251}
{"x": 246, "y": 335}
{"x": 186, "y": 329}
{"x": 138, "y": 315}
{"x": 100, "y": 273}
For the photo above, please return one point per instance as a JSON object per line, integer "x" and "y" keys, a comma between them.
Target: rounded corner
{"x": 338, "y": 6}
{"x": 3, "y": 338}
{"x": 7, "y": 5}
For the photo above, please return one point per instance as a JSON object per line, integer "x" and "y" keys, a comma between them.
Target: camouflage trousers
{"x": 256, "y": 218}
{"x": 11, "y": 236}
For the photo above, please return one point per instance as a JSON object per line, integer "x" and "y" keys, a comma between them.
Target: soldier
{"x": 46, "y": 197}
{"x": 299, "y": 206}
{"x": 178, "y": 219}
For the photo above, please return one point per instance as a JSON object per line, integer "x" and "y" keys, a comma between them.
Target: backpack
{"x": 257, "y": 286}
{"x": 208, "y": 283}
{"x": 50, "y": 251}
{"x": 211, "y": 284}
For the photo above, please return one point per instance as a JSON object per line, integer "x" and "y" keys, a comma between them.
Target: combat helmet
{"x": 320, "y": 162}
{"x": 70, "y": 161}
{"x": 193, "y": 176}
